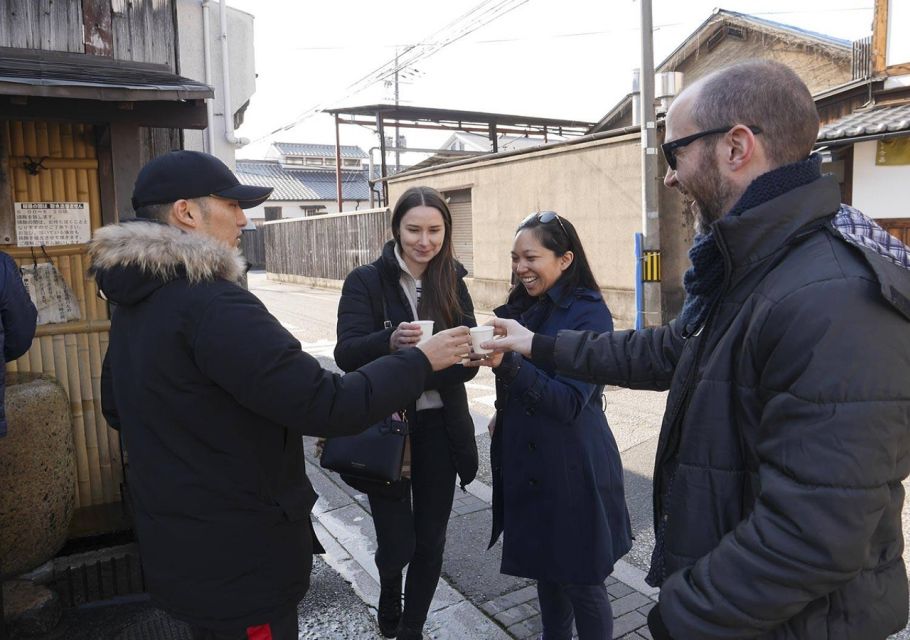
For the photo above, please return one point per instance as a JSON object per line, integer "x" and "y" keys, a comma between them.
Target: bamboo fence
{"x": 72, "y": 352}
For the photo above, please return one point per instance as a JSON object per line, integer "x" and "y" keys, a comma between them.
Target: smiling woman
{"x": 557, "y": 475}
{"x": 383, "y": 308}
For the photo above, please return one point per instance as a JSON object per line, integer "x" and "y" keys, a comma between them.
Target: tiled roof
{"x": 302, "y": 184}
{"x": 868, "y": 122}
{"x": 318, "y": 150}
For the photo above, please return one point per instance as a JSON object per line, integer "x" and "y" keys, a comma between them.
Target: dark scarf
{"x": 704, "y": 279}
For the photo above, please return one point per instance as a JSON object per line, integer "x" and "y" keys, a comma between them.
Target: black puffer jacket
{"x": 777, "y": 484}
{"x": 211, "y": 395}
{"x": 362, "y": 338}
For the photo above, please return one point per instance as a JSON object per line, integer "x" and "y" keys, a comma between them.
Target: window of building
{"x": 351, "y": 163}
{"x": 314, "y": 162}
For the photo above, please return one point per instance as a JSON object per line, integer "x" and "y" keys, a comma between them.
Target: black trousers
{"x": 283, "y": 627}
{"x": 588, "y": 605}
{"x": 412, "y": 531}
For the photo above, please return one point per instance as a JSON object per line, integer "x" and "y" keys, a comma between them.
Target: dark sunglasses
{"x": 543, "y": 217}
{"x": 670, "y": 148}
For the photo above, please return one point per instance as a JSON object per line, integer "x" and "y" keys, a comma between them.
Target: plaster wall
{"x": 879, "y": 192}
{"x": 596, "y": 185}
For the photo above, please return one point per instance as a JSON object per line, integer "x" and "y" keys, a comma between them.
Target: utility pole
{"x": 396, "y": 144}
{"x": 651, "y": 311}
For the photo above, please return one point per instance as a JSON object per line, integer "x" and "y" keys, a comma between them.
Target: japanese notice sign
{"x": 52, "y": 223}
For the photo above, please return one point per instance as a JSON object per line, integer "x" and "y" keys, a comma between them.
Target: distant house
{"x": 865, "y": 133}
{"x": 304, "y": 179}
{"x": 728, "y": 37}
{"x": 463, "y": 141}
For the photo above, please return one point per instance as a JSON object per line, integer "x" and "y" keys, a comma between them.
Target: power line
{"x": 479, "y": 16}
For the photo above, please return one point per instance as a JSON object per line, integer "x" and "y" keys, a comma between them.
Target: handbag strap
{"x": 386, "y": 323}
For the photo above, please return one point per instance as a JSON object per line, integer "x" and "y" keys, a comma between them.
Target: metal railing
{"x": 862, "y": 58}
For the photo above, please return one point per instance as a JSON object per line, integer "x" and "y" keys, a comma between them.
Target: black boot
{"x": 410, "y": 633}
{"x": 389, "y": 613}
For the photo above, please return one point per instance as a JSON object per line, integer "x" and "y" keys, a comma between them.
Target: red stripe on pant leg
{"x": 259, "y": 632}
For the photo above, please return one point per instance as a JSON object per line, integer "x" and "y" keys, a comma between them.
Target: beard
{"x": 708, "y": 196}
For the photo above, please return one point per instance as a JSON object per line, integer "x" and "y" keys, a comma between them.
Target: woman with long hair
{"x": 558, "y": 498}
{"x": 417, "y": 278}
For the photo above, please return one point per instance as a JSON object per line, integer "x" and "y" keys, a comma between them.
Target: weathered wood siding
{"x": 327, "y": 247}
{"x": 46, "y": 25}
{"x": 143, "y": 30}
{"x": 818, "y": 70}
{"x": 155, "y": 141}
{"x": 252, "y": 246}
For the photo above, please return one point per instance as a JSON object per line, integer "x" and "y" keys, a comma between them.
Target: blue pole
{"x": 639, "y": 284}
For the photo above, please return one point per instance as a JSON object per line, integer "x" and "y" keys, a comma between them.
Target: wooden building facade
{"x": 89, "y": 91}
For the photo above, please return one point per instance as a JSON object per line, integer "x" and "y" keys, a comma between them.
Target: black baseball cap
{"x": 192, "y": 174}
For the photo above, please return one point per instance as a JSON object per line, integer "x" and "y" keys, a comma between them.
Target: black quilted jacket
{"x": 777, "y": 483}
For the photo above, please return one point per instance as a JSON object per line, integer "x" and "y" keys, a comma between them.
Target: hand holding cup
{"x": 407, "y": 334}
{"x": 511, "y": 336}
{"x": 447, "y": 347}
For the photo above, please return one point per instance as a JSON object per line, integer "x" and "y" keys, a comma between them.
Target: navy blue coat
{"x": 17, "y": 322}
{"x": 557, "y": 476}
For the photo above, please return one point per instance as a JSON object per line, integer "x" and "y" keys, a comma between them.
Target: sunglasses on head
{"x": 670, "y": 148}
{"x": 543, "y": 217}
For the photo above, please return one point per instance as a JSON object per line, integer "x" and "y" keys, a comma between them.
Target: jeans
{"x": 588, "y": 604}
{"x": 412, "y": 531}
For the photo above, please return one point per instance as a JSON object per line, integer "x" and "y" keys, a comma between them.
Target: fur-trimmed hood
{"x": 132, "y": 259}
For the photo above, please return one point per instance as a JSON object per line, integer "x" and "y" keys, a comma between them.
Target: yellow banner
{"x": 894, "y": 152}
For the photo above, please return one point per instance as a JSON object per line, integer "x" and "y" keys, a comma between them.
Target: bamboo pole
{"x": 17, "y": 138}
{"x": 91, "y": 326}
{"x": 48, "y": 365}
{"x": 104, "y": 445}
{"x": 31, "y": 149}
{"x": 96, "y": 422}
{"x": 79, "y": 432}
{"x": 88, "y": 412}
{"x": 53, "y": 137}
{"x": 60, "y": 163}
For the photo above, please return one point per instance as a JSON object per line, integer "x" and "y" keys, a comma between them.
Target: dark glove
{"x": 656, "y": 625}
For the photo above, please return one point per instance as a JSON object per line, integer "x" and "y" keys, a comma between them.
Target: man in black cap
{"x": 211, "y": 395}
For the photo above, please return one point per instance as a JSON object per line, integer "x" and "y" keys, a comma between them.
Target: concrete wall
{"x": 192, "y": 65}
{"x": 879, "y": 192}
{"x": 596, "y": 185}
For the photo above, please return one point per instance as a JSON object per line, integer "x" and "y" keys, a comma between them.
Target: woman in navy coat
{"x": 558, "y": 495}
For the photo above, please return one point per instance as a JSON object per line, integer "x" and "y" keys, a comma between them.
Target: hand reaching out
{"x": 447, "y": 347}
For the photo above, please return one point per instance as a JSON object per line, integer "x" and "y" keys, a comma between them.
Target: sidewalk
{"x": 473, "y": 599}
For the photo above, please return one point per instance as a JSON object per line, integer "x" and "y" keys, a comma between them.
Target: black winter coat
{"x": 211, "y": 395}
{"x": 362, "y": 338}
{"x": 777, "y": 483}
{"x": 17, "y": 322}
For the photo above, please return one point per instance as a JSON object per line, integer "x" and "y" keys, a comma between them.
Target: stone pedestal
{"x": 37, "y": 472}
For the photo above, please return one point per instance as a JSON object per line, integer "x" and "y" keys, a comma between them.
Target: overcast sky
{"x": 569, "y": 59}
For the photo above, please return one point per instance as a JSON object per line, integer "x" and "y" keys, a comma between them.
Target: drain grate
{"x": 98, "y": 576}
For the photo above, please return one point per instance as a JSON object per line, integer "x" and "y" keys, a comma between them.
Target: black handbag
{"x": 374, "y": 455}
